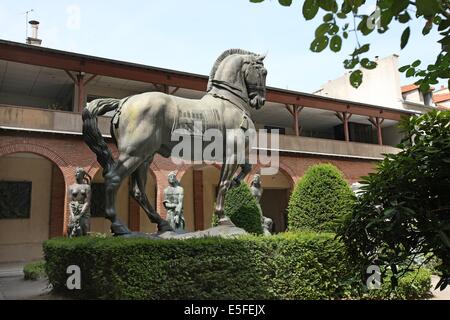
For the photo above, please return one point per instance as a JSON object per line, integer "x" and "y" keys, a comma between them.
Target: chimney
{"x": 33, "y": 40}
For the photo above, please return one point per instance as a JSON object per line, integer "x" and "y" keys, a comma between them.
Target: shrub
{"x": 288, "y": 266}
{"x": 285, "y": 266}
{"x": 319, "y": 199}
{"x": 415, "y": 284}
{"x": 404, "y": 210}
{"x": 243, "y": 210}
{"x": 34, "y": 270}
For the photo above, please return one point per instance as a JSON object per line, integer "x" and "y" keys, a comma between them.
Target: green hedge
{"x": 243, "y": 210}
{"x": 288, "y": 266}
{"x": 320, "y": 199}
{"x": 285, "y": 266}
{"x": 34, "y": 270}
{"x": 415, "y": 284}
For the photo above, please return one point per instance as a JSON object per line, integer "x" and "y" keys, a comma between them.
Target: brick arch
{"x": 58, "y": 207}
{"x": 36, "y": 149}
{"x": 284, "y": 169}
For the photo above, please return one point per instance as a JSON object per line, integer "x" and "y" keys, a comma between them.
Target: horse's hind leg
{"x": 138, "y": 182}
{"x": 124, "y": 166}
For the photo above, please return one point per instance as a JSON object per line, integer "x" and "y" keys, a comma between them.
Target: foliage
{"x": 404, "y": 211}
{"x": 340, "y": 18}
{"x": 416, "y": 284}
{"x": 34, "y": 270}
{"x": 243, "y": 210}
{"x": 288, "y": 266}
{"x": 284, "y": 266}
{"x": 320, "y": 197}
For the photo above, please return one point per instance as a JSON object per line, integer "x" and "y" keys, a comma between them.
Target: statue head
{"x": 82, "y": 176}
{"x": 256, "y": 179}
{"x": 172, "y": 178}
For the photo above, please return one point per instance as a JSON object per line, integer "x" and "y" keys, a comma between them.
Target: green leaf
{"x": 356, "y": 78}
{"x": 363, "y": 26}
{"x": 404, "y": 68}
{"x": 336, "y": 43}
{"x": 405, "y": 37}
{"x": 328, "y": 17}
{"x": 362, "y": 49}
{"x": 444, "y": 239}
{"x": 322, "y": 29}
{"x": 256, "y": 1}
{"x": 427, "y": 28}
{"x": 404, "y": 18}
{"x": 416, "y": 63}
{"x": 285, "y": 3}
{"x": 424, "y": 87}
{"x": 427, "y": 8}
{"x": 410, "y": 72}
{"x": 319, "y": 44}
{"x": 310, "y": 8}
{"x": 328, "y": 5}
{"x": 345, "y": 34}
{"x": 399, "y": 6}
{"x": 350, "y": 63}
{"x": 367, "y": 64}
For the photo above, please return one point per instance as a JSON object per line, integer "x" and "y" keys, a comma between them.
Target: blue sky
{"x": 189, "y": 35}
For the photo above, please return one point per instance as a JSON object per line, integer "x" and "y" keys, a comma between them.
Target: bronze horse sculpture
{"x": 142, "y": 124}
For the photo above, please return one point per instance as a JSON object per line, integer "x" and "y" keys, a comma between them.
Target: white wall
{"x": 381, "y": 86}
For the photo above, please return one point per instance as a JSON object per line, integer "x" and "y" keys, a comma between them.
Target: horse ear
{"x": 260, "y": 58}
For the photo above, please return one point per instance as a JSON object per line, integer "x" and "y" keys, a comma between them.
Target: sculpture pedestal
{"x": 225, "y": 229}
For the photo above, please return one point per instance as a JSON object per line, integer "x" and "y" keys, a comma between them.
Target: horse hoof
{"x": 119, "y": 229}
{"x": 164, "y": 226}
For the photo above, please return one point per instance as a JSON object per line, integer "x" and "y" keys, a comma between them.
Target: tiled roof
{"x": 409, "y": 87}
{"x": 441, "y": 97}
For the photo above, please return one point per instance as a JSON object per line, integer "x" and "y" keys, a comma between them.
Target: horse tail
{"x": 91, "y": 133}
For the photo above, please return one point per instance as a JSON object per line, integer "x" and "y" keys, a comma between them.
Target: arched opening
{"x": 277, "y": 189}
{"x": 32, "y": 202}
{"x": 99, "y": 224}
{"x": 145, "y": 225}
{"x": 200, "y": 190}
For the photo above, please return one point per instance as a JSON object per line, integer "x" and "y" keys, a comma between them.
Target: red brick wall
{"x": 67, "y": 152}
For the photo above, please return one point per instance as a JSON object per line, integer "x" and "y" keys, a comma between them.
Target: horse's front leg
{"x": 226, "y": 176}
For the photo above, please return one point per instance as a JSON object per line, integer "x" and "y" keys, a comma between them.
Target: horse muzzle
{"x": 257, "y": 101}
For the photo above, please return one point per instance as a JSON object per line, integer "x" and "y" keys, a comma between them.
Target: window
{"x": 15, "y": 199}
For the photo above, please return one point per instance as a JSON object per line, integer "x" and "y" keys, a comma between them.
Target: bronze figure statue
{"x": 173, "y": 202}
{"x": 80, "y": 204}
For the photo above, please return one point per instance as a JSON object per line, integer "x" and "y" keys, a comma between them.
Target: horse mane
{"x": 225, "y": 54}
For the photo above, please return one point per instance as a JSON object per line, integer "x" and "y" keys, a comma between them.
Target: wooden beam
{"x": 345, "y": 117}
{"x": 290, "y": 109}
{"x": 70, "y": 76}
{"x": 377, "y": 122}
{"x": 90, "y": 79}
{"x": 62, "y": 60}
{"x": 174, "y": 90}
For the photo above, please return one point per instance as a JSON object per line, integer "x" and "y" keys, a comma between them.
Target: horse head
{"x": 243, "y": 74}
{"x": 255, "y": 80}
